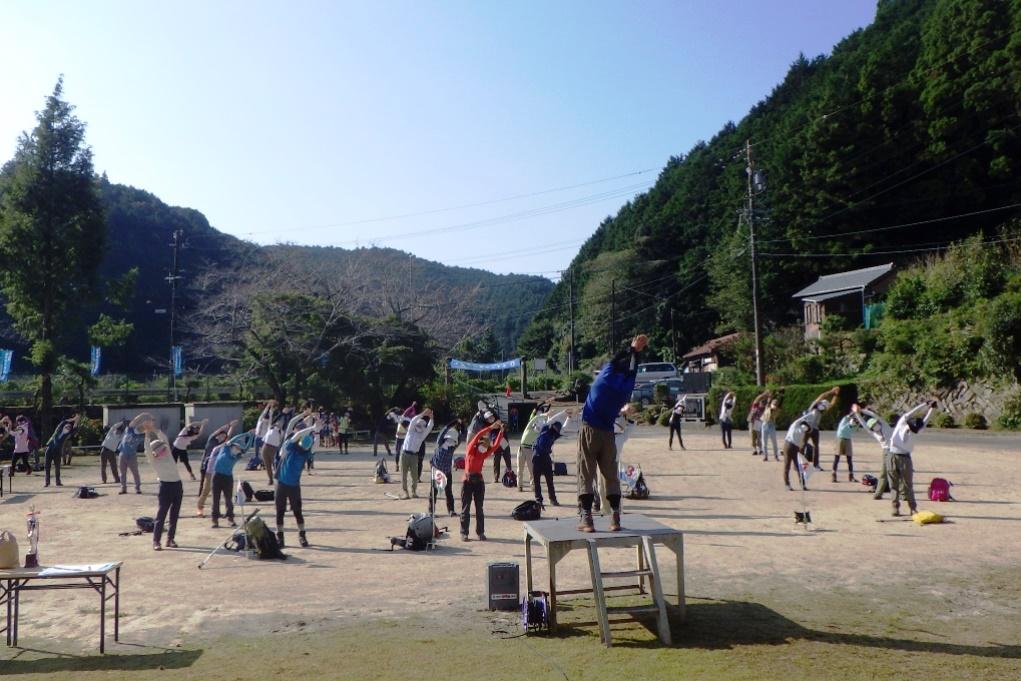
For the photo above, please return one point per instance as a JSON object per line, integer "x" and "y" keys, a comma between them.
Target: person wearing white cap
{"x": 171, "y": 491}
{"x": 418, "y": 431}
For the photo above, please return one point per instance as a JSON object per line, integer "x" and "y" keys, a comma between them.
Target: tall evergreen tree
{"x": 51, "y": 235}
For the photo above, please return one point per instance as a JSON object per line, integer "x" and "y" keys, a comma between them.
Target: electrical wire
{"x": 942, "y": 247}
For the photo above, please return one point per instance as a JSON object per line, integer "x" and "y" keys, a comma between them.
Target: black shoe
{"x": 215, "y": 525}
{"x": 834, "y": 476}
{"x": 280, "y": 539}
{"x": 171, "y": 544}
{"x": 138, "y": 490}
{"x": 482, "y": 537}
{"x": 789, "y": 488}
{"x": 555, "y": 502}
{"x": 156, "y": 547}
{"x": 464, "y": 537}
{"x": 123, "y": 491}
{"x": 232, "y": 523}
{"x": 301, "y": 538}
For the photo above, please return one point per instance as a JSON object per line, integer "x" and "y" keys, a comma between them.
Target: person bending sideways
{"x": 443, "y": 460}
{"x": 55, "y": 447}
{"x": 418, "y": 430}
{"x": 727, "y": 419}
{"x": 542, "y": 457}
{"x": 473, "y": 489}
{"x": 676, "y": 417}
{"x": 183, "y": 440}
{"x": 108, "y": 450}
{"x": 528, "y": 436}
{"x": 296, "y": 450}
{"x": 794, "y": 442}
{"x": 223, "y": 474}
{"x": 902, "y": 443}
{"x": 597, "y": 449}
{"x": 882, "y": 432}
{"x": 213, "y": 442}
{"x": 127, "y": 454}
{"x": 171, "y": 491}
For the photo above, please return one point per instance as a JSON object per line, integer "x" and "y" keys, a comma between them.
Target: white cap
{"x": 822, "y": 405}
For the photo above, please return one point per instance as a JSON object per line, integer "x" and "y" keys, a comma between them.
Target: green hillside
{"x": 902, "y": 140}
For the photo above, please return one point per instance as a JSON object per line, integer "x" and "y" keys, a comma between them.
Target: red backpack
{"x": 939, "y": 490}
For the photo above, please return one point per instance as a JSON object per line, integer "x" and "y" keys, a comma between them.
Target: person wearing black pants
{"x": 442, "y": 460}
{"x": 502, "y": 455}
{"x": 727, "y": 419}
{"x": 55, "y": 447}
{"x": 473, "y": 489}
{"x": 297, "y": 450}
{"x": 223, "y": 485}
{"x": 676, "y": 414}
{"x": 171, "y": 490}
{"x": 223, "y": 474}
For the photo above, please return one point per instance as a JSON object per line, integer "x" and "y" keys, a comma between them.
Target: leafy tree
{"x": 51, "y": 235}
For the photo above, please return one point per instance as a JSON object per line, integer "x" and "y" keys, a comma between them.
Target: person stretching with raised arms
{"x": 296, "y": 450}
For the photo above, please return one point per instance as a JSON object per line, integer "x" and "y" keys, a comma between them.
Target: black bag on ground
{"x": 421, "y": 531}
{"x": 237, "y": 542}
{"x": 265, "y": 495}
{"x": 263, "y": 541}
{"x": 254, "y": 464}
{"x": 145, "y": 523}
{"x": 246, "y": 487}
{"x": 85, "y": 492}
{"x": 527, "y": 510}
{"x": 559, "y": 468}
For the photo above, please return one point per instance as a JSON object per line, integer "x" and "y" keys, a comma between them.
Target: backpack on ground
{"x": 145, "y": 523}
{"x": 254, "y": 464}
{"x": 246, "y": 488}
{"x": 237, "y": 542}
{"x": 527, "y": 510}
{"x": 420, "y": 533}
{"x": 639, "y": 490}
{"x": 559, "y": 468}
{"x": 381, "y": 475}
{"x": 870, "y": 481}
{"x": 510, "y": 478}
{"x": 939, "y": 490}
{"x": 263, "y": 541}
{"x": 265, "y": 495}
{"x": 459, "y": 463}
{"x": 85, "y": 492}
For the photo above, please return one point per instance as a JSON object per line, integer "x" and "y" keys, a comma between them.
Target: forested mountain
{"x": 902, "y": 140}
{"x": 448, "y": 302}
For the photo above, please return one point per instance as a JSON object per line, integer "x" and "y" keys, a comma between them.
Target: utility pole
{"x": 613, "y": 317}
{"x": 673, "y": 337}
{"x": 174, "y": 276}
{"x": 571, "y": 358}
{"x": 760, "y": 378}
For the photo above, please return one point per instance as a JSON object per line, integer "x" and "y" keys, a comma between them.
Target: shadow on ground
{"x": 722, "y": 625}
{"x": 60, "y": 662}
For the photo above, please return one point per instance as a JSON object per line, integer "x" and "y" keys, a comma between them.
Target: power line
{"x": 434, "y": 211}
{"x": 945, "y": 246}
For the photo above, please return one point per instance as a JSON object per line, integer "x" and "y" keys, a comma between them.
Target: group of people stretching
{"x": 802, "y": 440}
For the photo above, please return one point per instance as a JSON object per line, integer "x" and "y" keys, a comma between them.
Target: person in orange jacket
{"x": 486, "y": 442}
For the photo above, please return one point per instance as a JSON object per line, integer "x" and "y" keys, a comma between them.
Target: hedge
{"x": 793, "y": 399}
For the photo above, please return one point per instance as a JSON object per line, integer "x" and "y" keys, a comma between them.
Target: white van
{"x": 655, "y": 371}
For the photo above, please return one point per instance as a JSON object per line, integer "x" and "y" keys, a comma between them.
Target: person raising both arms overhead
{"x": 727, "y": 405}
{"x": 473, "y": 489}
{"x": 183, "y": 440}
{"x": 296, "y": 450}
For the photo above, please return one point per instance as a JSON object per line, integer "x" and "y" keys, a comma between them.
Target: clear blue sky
{"x": 314, "y": 121}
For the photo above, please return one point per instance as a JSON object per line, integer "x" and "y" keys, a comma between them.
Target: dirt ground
{"x": 952, "y": 590}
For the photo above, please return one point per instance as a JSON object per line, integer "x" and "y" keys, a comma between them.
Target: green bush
{"x": 661, "y": 393}
{"x": 651, "y": 416}
{"x": 90, "y": 433}
{"x": 1011, "y": 416}
{"x": 249, "y": 415}
{"x": 943, "y": 420}
{"x": 975, "y": 421}
{"x": 664, "y": 418}
{"x": 793, "y": 400}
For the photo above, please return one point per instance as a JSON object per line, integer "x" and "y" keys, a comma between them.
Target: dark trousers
{"x": 378, "y": 437}
{"x": 473, "y": 491}
{"x": 543, "y": 467}
{"x": 676, "y": 428}
{"x": 421, "y": 458}
{"x": 288, "y": 494}
{"x": 181, "y": 456}
{"x": 727, "y": 433}
{"x": 108, "y": 458}
{"x": 448, "y": 489}
{"x": 790, "y": 458}
{"x": 52, "y": 459}
{"x": 24, "y": 459}
{"x": 170, "y": 496}
{"x": 501, "y": 456}
{"x": 342, "y": 442}
{"x": 223, "y": 485}
{"x": 817, "y": 461}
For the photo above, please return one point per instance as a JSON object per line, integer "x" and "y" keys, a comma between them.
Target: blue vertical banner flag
{"x": 6, "y": 359}
{"x": 96, "y": 357}
{"x": 177, "y": 356}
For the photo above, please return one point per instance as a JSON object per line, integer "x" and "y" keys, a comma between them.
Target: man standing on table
{"x": 597, "y": 451}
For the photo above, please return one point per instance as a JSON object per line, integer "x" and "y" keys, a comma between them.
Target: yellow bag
{"x": 926, "y": 517}
{"x": 8, "y": 550}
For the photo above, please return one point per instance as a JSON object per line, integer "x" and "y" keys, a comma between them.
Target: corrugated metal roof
{"x": 711, "y": 345}
{"x": 828, "y": 296}
{"x": 844, "y": 281}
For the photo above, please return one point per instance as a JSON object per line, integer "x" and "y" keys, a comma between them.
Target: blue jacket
{"x": 542, "y": 450}
{"x": 611, "y": 390}
{"x": 57, "y": 441}
{"x": 130, "y": 442}
{"x": 292, "y": 464}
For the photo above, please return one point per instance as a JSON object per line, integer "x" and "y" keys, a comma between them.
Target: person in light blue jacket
{"x": 845, "y": 429}
{"x": 297, "y": 452}
{"x": 223, "y": 473}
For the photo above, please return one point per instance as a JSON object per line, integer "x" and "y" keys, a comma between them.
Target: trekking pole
{"x": 233, "y": 531}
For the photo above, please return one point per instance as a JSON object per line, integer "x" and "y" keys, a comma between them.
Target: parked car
{"x": 645, "y": 394}
{"x": 655, "y": 371}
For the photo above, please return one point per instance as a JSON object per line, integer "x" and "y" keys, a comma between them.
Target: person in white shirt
{"x": 901, "y": 470}
{"x": 271, "y": 443}
{"x": 881, "y": 431}
{"x": 769, "y": 430}
{"x": 418, "y": 430}
{"x": 183, "y": 440}
{"x": 171, "y": 490}
{"x": 727, "y": 419}
{"x": 676, "y": 416}
{"x": 108, "y": 450}
{"x": 812, "y": 416}
{"x": 794, "y": 442}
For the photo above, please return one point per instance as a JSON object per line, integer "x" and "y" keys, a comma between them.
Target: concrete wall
{"x": 218, "y": 413}
{"x": 168, "y": 416}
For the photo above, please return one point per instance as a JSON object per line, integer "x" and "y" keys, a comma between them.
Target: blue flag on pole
{"x": 178, "y": 358}
{"x": 6, "y": 359}
{"x": 96, "y": 357}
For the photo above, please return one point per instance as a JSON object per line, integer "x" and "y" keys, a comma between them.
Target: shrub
{"x": 943, "y": 420}
{"x": 90, "y": 433}
{"x": 1011, "y": 416}
{"x": 975, "y": 421}
{"x": 664, "y": 418}
{"x": 793, "y": 399}
{"x": 661, "y": 393}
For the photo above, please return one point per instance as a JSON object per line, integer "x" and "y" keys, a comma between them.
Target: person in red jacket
{"x": 473, "y": 489}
